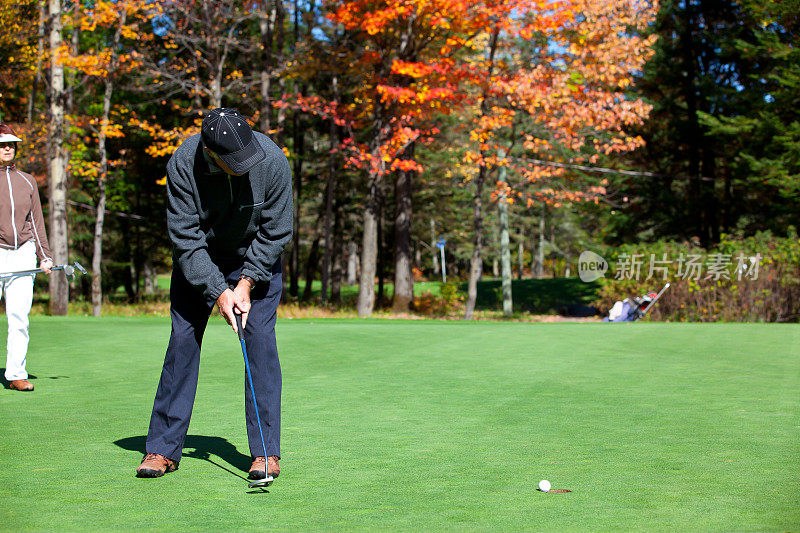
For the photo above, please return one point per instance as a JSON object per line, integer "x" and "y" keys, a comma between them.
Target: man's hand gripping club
{"x": 236, "y": 301}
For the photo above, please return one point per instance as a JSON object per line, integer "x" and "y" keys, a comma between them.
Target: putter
{"x": 652, "y": 303}
{"x": 265, "y": 482}
{"x": 69, "y": 270}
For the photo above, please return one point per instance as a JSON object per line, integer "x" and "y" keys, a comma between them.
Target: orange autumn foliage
{"x": 565, "y": 102}
{"x": 102, "y": 19}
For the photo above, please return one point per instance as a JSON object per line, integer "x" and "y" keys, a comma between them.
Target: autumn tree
{"x": 113, "y": 30}
{"x": 406, "y": 71}
{"x": 556, "y": 92}
{"x": 22, "y": 48}
{"x": 59, "y": 288}
{"x": 194, "y": 63}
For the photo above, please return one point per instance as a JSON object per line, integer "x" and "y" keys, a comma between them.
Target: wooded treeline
{"x": 521, "y": 132}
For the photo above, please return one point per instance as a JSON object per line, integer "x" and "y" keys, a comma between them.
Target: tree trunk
{"x": 727, "y": 216}
{"x": 336, "y": 269}
{"x": 284, "y": 270}
{"x": 434, "y": 250}
{"x": 311, "y": 267}
{"x": 539, "y": 265}
{"x": 709, "y": 196}
{"x": 553, "y": 246}
{"x": 534, "y": 238}
{"x": 97, "y": 254}
{"x": 280, "y": 126}
{"x": 326, "y": 262}
{"x": 59, "y": 288}
{"x": 286, "y": 267}
{"x": 265, "y": 117}
{"x": 272, "y": 37}
{"x": 403, "y": 276}
{"x": 132, "y": 284}
{"x": 37, "y": 78}
{"x": 369, "y": 249}
{"x": 216, "y": 89}
{"x": 381, "y": 264}
{"x": 369, "y": 242}
{"x": 520, "y": 259}
{"x": 150, "y": 278}
{"x": 299, "y": 150}
{"x": 70, "y": 75}
{"x": 694, "y": 136}
{"x": 352, "y": 263}
{"x": 476, "y": 261}
{"x": 127, "y": 239}
{"x": 505, "y": 257}
{"x": 266, "y": 24}
{"x": 329, "y": 194}
{"x": 197, "y": 98}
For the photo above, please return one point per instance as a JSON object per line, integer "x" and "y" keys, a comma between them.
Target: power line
{"x": 602, "y": 170}
{"x": 115, "y": 213}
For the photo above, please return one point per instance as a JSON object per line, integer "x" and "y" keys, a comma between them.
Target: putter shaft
{"x": 69, "y": 270}
{"x": 268, "y": 479}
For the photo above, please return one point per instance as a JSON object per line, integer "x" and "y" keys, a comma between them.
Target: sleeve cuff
{"x": 216, "y": 290}
{"x": 257, "y": 275}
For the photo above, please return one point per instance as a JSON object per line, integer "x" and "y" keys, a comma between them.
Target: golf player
{"x": 22, "y": 240}
{"x": 229, "y": 216}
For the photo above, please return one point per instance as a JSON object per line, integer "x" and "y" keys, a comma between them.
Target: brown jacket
{"x": 21, "y": 217}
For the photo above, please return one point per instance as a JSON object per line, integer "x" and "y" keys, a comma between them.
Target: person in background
{"x": 22, "y": 240}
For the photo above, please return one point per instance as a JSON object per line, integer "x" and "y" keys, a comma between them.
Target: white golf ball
{"x": 544, "y": 485}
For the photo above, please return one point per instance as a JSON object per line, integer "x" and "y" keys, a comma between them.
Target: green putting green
{"x": 407, "y": 425}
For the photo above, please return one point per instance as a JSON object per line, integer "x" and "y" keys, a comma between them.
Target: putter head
{"x": 69, "y": 270}
{"x": 263, "y": 482}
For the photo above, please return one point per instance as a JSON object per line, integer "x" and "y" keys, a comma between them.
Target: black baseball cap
{"x": 226, "y": 133}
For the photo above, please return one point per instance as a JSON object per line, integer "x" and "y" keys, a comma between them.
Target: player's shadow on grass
{"x": 199, "y": 447}
{"x": 6, "y": 384}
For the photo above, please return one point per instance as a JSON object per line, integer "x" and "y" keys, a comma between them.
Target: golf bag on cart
{"x": 632, "y": 309}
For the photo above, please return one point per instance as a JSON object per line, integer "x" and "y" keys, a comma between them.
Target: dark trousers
{"x": 172, "y": 408}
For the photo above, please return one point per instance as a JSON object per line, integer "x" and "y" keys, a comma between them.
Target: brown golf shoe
{"x": 257, "y": 468}
{"x": 20, "y": 384}
{"x": 155, "y": 465}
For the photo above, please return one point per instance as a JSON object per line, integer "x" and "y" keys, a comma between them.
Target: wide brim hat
{"x": 8, "y": 138}
{"x": 227, "y": 133}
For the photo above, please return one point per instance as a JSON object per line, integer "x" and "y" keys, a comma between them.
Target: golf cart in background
{"x": 632, "y": 309}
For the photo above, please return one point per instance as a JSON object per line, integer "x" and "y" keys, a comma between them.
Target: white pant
{"x": 19, "y": 296}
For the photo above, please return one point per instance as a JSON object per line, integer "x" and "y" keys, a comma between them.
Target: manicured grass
{"x": 419, "y": 425}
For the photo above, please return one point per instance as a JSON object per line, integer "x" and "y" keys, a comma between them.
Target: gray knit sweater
{"x": 219, "y": 222}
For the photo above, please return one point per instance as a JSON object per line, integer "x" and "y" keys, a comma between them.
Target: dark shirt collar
{"x": 212, "y": 168}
